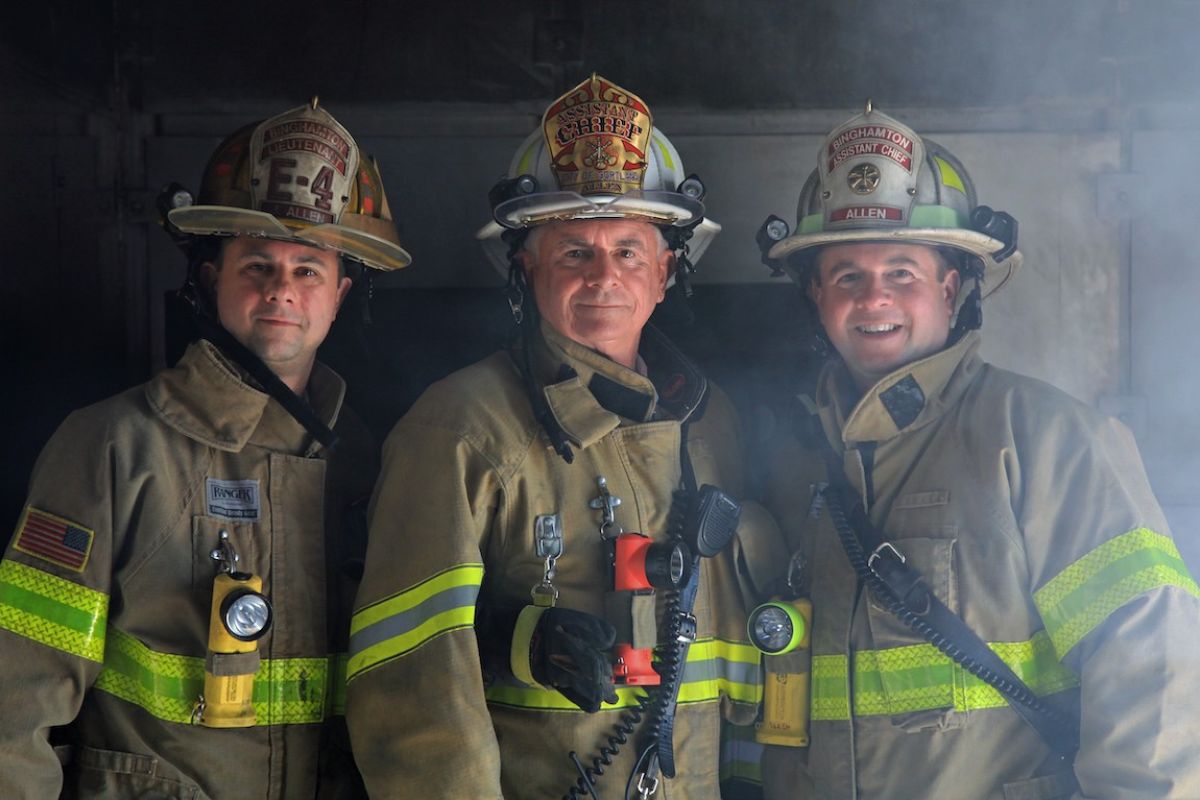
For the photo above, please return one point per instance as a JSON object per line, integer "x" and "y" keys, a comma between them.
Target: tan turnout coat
{"x": 108, "y": 656}
{"x": 1029, "y": 514}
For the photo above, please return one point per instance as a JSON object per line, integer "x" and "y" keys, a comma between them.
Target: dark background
{"x": 89, "y": 91}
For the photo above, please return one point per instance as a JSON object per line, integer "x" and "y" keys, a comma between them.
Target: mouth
{"x": 276, "y": 321}
{"x": 877, "y": 328}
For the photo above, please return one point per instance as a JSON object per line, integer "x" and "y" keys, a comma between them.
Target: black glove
{"x": 569, "y": 650}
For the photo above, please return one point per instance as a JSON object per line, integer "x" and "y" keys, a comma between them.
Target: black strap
{"x": 292, "y": 403}
{"x": 903, "y": 592}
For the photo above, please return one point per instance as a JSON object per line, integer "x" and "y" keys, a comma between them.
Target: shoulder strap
{"x": 903, "y": 592}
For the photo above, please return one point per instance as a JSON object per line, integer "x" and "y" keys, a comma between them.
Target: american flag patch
{"x": 53, "y": 538}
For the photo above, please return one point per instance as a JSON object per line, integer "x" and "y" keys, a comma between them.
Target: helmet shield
{"x": 597, "y": 155}
{"x": 297, "y": 176}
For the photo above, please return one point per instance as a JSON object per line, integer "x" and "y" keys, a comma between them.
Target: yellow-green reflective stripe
{"x": 901, "y": 680}
{"x": 741, "y": 755}
{"x": 1082, "y": 596}
{"x": 719, "y": 666}
{"x": 403, "y": 622}
{"x": 52, "y": 610}
{"x": 830, "y": 687}
{"x": 713, "y": 667}
{"x": 551, "y": 700}
{"x": 286, "y": 690}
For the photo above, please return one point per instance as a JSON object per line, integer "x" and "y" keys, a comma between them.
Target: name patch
{"x": 232, "y": 499}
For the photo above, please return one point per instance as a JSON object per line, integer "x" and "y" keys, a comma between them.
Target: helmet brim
{"x": 372, "y": 251}
{"x": 497, "y": 251}
{"x": 658, "y": 208}
{"x": 996, "y": 273}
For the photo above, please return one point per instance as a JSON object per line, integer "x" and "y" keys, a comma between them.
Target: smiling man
{"x": 175, "y": 601}
{"x": 998, "y": 610}
{"x": 488, "y": 610}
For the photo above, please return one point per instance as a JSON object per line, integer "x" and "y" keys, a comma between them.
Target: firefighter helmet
{"x": 597, "y": 155}
{"x": 876, "y": 179}
{"x": 297, "y": 176}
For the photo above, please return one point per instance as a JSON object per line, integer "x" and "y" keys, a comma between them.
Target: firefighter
{"x": 174, "y": 601}
{"x": 507, "y": 623}
{"x": 998, "y": 607}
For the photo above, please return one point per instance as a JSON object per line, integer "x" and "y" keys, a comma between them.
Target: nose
{"x": 603, "y": 272}
{"x": 280, "y": 287}
{"x": 874, "y": 292}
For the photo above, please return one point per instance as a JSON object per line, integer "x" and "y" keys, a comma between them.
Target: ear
{"x": 208, "y": 273}
{"x": 666, "y": 268}
{"x": 343, "y": 289}
{"x": 950, "y": 286}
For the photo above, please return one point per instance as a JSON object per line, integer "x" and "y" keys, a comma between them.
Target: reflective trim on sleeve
{"x": 1082, "y": 596}
{"x": 714, "y": 667}
{"x": 57, "y": 612}
{"x": 901, "y": 680}
{"x": 403, "y": 622}
{"x": 287, "y": 691}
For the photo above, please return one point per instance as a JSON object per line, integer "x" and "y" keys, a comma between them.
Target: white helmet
{"x": 877, "y": 180}
{"x": 597, "y": 155}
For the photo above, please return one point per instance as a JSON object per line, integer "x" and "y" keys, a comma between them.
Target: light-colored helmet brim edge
{"x": 371, "y": 250}
{"x": 996, "y": 274}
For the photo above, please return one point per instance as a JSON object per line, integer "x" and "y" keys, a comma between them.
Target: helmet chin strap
{"x": 970, "y": 313}
{"x": 241, "y": 355}
{"x": 524, "y": 310}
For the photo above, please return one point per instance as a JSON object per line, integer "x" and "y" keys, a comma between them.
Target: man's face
{"x": 884, "y": 305}
{"x": 278, "y": 299}
{"x": 597, "y": 281}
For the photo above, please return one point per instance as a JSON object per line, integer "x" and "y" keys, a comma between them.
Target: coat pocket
{"x": 908, "y": 678}
{"x": 111, "y": 773}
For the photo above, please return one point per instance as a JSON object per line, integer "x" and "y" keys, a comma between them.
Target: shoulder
{"x": 483, "y": 405}
{"x": 1031, "y": 403}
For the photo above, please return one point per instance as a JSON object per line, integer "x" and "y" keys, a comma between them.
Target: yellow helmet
{"x": 298, "y": 176}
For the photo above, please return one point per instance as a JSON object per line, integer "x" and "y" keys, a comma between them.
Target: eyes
{"x": 266, "y": 268}
{"x": 848, "y": 279}
{"x": 627, "y": 254}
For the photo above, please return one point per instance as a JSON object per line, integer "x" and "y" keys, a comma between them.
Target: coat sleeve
{"x": 418, "y": 720}
{"x": 1120, "y": 608}
{"x": 54, "y": 588}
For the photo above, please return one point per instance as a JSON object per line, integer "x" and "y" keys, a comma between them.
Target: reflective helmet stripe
{"x": 287, "y": 691}
{"x": 54, "y": 611}
{"x": 714, "y": 667}
{"x": 403, "y": 622}
{"x": 901, "y": 680}
{"x": 1082, "y": 596}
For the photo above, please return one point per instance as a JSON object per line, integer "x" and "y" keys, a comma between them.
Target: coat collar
{"x": 590, "y": 394}
{"x": 909, "y": 398}
{"x": 207, "y": 398}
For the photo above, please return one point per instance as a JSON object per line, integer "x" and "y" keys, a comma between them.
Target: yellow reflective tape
{"x": 286, "y": 690}
{"x": 711, "y": 682}
{"x": 1083, "y": 595}
{"x": 54, "y": 611}
{"x": 460, "y": 575}
{"x": 950, "y": 176}
{"x": 665, "y": 154}
{"x": 446, "y": 622}
{"x": 919, "y": 678}
{"x": 552, "y": 700}
{"x": 902, "y": 680}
